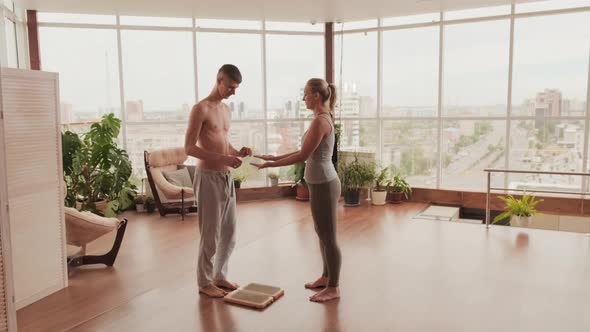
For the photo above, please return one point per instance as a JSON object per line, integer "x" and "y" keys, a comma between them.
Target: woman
{"x": 322, "y": 180}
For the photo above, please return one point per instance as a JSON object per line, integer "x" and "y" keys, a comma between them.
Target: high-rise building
{"x": 67, "y": 115}
{"x": 349, "y": 107}
{"x": 549, "y": 101}
{"x": 242, "y": 110}
{"x": 134, "y": 110}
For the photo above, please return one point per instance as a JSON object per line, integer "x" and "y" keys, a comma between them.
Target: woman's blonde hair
{"x": 326, "y": 90}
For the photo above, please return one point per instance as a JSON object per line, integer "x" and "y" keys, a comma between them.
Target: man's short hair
{"x": 232, "y": 72}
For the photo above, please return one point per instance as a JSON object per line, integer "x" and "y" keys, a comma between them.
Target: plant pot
{"x": 302, "y": 193}
{"x": 378, "y": 197}
{"x": 150, "y": 207}
{"x": 394, "y": 197}
{"x": 519, "y": 221}
{"x": 352, "y": 198}
{"x": 237, "y": 184}
{"x": 100, "y": 205}
{"x": 274, "y": 182}
{"x": 139, "y": 207}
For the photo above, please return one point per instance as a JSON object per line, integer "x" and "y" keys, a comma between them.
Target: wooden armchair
{"x": 170, "y": 196}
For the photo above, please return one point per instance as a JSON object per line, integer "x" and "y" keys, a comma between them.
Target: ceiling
{"x": 275, "y": 10}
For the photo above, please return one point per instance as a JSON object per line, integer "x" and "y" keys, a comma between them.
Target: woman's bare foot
{"x": 212, "y": 291}
{"x": 226, "y": 284}
{"x": 321, "y": 282}
{"x": 328, "y": 293}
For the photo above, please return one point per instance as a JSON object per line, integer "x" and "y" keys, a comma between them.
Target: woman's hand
{"x": 266, "y": 157}
{"x": 261, "y": 165}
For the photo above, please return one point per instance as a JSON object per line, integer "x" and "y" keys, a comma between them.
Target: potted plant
{"x": 354, "y": 176}
{"x": 150, "y": 204}
{"x": 398, "y": 188}
{"x": 139, "y": 203}
{"x": 274, "y": 179}
{"x": 238, "y": 179}
{"x": 297, "y": 171}
{"x": 520, "y": 211}
{"x": 379, "y": 192}
{"x": 96, "y": 171}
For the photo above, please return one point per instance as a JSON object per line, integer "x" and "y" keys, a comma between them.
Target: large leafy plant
{"x": 399, "y": 184}
{"x": 523, "y": 207}
{"x": 356, "y": 174}
{"x": 96, "y": 169}
{"x": 381, "y": 178}
{"x": 297, "y": 171}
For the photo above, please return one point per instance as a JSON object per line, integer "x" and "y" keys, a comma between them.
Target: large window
{"x": 217, "y": 49}
{"x": 75, "y": 18}
{"x": 358, "y": 81}
{"x": 290, "y": 61}
{"x": 434, "y": 95}
{"x": 167, "y": 63}
{"x": 359, "y": 135}
{"x": 475, "y": 77}
{"x": 285, "y": 137}
{"x": 250, "y": 135}
{"x": 546, "y": 145}
{"x": 410, "y": 147}
{"x": 11, "y": 46}
{"x": 148, "y": 137}
{"x": 86, "y": 60}
{"x": 158, "y": 72}
{"x": 537, "y": 6}
{"x": 551, "y": 65}
{"x": 12, "y": 41}
{"x": 410, "y": 72}
{"x": 468, "y": 147}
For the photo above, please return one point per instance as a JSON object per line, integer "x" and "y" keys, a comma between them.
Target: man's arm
{"x": 244, "y": 151}
{"x": 232, "y": 151}
{"x": 196, "y": 121}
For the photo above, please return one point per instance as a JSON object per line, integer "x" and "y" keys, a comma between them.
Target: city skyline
{"x": 474, "y": 84}
{"x": 404, "y": 143}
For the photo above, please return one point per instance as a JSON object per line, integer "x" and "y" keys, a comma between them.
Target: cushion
{"x": 165, "y": 157}
{"x": 191, "y": 170}
{"x": 179, "y": 177}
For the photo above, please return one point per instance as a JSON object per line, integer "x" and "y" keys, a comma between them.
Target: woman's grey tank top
{"x": 319, "y": 167}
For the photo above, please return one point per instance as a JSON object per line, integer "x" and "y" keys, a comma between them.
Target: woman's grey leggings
{"x": 324, "y": 203}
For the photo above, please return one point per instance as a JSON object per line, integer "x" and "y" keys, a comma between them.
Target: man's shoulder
{"x": 201, "y": 107}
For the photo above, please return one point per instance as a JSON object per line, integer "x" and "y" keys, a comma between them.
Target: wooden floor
{"x": 398, "y": 274}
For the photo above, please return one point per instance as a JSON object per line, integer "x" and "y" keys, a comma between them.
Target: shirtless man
{"x": 206, "y": 139}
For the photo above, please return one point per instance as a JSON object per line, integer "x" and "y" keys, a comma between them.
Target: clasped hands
{"x": 235, "y": 161}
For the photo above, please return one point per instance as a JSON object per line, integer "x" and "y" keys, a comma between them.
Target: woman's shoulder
{"x": 323, "y": 123}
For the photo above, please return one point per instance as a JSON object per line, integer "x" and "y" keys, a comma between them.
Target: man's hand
{"x": 231, "y": 161}
{"x": 266, "y": 157}
{"x": 244, "y": 152}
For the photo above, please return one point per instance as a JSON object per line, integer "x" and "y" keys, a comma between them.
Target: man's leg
{"x": 209, "y": 220}
{"x": 227, "y": 238}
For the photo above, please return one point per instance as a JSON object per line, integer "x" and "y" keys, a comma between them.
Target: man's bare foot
{"x": 321, "y": 282}
{"x": 212, "y": 291}
{"x": 328, "y": 293}
{"x": 226, "y": 284}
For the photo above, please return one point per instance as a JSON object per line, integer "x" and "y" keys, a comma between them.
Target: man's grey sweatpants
{"x": 216, "y": 199}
